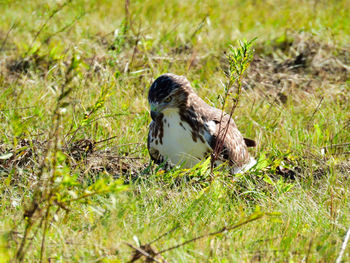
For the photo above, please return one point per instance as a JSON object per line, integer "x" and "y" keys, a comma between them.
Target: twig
{"x": 199, "y": 27}
{"x": 117, "y": 157}
{"x": 94, "y": 120}
{"x": 46, "y": 217}
{"x": 343, "y": 247}
{"x": 19, "y": 108}
{"x": 239, "y": 60}
{"x": 213, "y": 233}
{"x": 342, "y": 153}
{"x": 108, "y": 139}
{"x": 127, "y": 13}
{"x": 309, "y": 251}
{"x": 54, "y": 12}
{"x": 135, "y": 46}
{"x": 113, "y": 137}
{"x": 7, "y": 35}
{"x": 166, "y": 233}
{"x": 140, "y": 250}
{"x": 313, "y": 114}
{"x": 42, "y": 193}
{"x": 66, "y": 26}
{"x": 165, "y": 35}
{"x": 336, "y": 145}
{"x": 345, "y": 126}
{"x": 84, "y": 196}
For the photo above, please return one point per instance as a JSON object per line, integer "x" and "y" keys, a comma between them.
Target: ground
{"x": 77, "y": 184}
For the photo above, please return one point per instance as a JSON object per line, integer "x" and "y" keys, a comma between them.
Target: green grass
{"x": 295, "y": 110}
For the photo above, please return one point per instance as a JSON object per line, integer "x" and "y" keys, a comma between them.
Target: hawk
{"x": 185, "y": 129}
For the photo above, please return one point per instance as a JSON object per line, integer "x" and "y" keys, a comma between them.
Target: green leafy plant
{"x": 238, "y": 60}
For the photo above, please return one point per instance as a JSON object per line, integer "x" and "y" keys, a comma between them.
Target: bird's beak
{"x": 155, "y": 110}
{"x": 154, "y": 107}
{"x": 154, "y": 115}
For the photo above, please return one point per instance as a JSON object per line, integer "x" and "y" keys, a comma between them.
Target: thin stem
{"x": 213, "y": 233}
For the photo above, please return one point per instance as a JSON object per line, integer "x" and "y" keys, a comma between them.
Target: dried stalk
{"x": 239, "y": 60}
{"x": 343, "y": 246}
{"x": 213, "y": 233}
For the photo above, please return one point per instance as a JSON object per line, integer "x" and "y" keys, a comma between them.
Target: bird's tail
{"x": 245, "y": 167}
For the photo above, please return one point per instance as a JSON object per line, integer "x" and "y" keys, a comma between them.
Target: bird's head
{"x": 168, "y": 91}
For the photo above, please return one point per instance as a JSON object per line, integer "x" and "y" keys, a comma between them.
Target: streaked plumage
{"x": 184, "y": 129}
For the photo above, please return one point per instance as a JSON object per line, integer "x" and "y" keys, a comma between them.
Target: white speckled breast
{"x": 178, "y": 146}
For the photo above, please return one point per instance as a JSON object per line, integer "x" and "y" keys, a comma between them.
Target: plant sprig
{"x": 238, "y": 59}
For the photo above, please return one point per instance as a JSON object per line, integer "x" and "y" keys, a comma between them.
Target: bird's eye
{"x": 168, "y": 99}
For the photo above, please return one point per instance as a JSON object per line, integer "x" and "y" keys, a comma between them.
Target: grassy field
{"x": 76, "y": 182}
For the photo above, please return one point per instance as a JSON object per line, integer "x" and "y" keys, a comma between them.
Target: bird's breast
{"x": 179, "y": 142}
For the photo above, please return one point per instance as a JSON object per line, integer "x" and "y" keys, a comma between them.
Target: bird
{"x": 185, "y": 130}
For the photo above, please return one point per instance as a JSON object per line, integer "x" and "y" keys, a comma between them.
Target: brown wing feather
{"x": 249, "y": 142}
{"x": 234, "y": 147}
{"x": 154, "y": 154}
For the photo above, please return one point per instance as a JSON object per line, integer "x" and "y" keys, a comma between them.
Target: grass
{"x": 294, "y": 103}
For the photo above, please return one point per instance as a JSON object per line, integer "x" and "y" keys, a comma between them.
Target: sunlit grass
{"x": 294, "y": 114}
